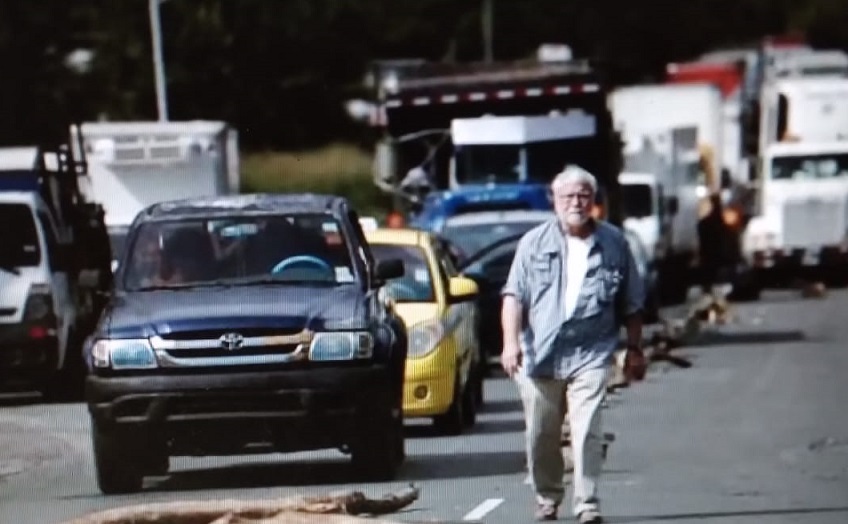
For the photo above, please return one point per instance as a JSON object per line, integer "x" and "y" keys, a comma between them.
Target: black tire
{"x": 116, "y": 466}
{"x": 469, "y": 398}
{"x": 453, "y": 421}
{"x": 378, "y": 450}
{"x": 747, "y": 286}
{"x": 479, "y": 379}
{"x": 68, "y": 384}
{"x": 673, "y": 285}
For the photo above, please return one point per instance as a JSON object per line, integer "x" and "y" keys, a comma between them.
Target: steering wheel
{"x": 306, "y": 260}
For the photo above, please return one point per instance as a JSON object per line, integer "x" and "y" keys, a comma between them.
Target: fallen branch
{"x": 279, "y": 511}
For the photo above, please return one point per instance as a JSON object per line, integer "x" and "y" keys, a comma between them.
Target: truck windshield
{"x": 416, "y": 285}
{"x": 809, "y": 167}
{"x": 488, "y": 164}
{"x": 18, "y": 237}
{"x": 241, "y": 250}
{"x": 636, "y": 200}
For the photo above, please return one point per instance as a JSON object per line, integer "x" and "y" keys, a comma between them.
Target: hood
{"x": 414, "y": 312}
{"x": 144, "y": 314}
{"x": 14, "y": 290}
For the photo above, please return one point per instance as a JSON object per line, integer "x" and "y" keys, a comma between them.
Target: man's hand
{"x": 635, "y": 365}
{"x": 511, "y": 359}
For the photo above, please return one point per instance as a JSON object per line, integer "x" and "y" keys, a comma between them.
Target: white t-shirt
{"x": 575, "y": 270}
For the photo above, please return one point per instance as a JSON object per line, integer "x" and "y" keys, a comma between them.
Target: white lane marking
{"x": 483, "y": 509}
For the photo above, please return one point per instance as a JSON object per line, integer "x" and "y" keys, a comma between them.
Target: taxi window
{"x": 416, "y": 285}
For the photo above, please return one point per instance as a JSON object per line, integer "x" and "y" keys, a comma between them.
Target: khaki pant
{"x": 544, "y": 403}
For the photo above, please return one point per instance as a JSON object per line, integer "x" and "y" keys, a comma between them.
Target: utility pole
{"x": 158, "y": 63}
{"x": 488, "y": 31}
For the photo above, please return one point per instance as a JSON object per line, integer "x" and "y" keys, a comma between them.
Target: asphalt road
{"x": 756, "y": 431}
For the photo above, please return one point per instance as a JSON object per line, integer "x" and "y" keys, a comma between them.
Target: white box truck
{"x": 135, "y": 164}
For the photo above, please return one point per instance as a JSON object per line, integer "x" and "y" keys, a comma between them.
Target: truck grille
{"x": 224, "y": 353}
{"x": 215, "y": 334}
{"x": 813, "y": 223}
{"x": 230, "y": 348}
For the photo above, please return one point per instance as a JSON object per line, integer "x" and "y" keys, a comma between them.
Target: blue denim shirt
{"x": 558, "y": 348}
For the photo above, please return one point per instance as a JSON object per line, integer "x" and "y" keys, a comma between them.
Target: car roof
{"x": 258, "y": 203}
{"x": 398, "y": 236}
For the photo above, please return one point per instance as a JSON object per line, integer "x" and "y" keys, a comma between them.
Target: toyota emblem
{"x": 231, "y": 341}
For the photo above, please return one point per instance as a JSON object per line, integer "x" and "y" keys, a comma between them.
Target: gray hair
{"x": 573, "y": 173}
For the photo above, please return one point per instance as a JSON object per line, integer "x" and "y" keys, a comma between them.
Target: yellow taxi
{"x": 439, "y": 308}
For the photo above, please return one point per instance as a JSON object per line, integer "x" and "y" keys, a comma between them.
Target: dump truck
{"x": 448, "y": 126}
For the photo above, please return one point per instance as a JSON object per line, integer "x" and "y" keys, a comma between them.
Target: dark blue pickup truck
{"x": 246, "y": 324}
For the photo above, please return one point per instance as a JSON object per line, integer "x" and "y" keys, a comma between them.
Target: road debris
{"x": 338, "y": 508}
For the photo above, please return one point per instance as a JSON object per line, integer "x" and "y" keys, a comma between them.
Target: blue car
{"x": 246, "y": 324}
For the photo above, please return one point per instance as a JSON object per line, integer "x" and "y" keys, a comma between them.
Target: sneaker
{"x": 589, "y": 516}
{"x": 546, "y": 511}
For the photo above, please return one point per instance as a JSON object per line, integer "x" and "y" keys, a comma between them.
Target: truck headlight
{"x": 123, "y": 354}
{"x": 348, "y": 345}
{"x": 424, "y": 337}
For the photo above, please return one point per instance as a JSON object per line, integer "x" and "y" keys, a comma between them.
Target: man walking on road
{"x": 572, "y": 283}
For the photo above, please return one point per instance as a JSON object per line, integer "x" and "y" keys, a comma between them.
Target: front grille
{"x": 240, "y": 352}
{"x": 214, "y": 334}
{"x": 813, "y": 223}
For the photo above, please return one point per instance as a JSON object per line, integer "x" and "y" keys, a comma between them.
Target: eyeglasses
{"x": 582, "y": 197}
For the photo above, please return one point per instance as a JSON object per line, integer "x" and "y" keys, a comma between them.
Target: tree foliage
{"x": 280, "y": 70}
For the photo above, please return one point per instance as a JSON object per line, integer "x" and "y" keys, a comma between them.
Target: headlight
{"x": 123, "y": 354}
{"x": 348, "y": 345}
{"x": 424, "y": 337}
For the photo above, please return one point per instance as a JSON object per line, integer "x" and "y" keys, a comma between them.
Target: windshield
{"x": 18, "y": 237}
{"x": 471, "y": 238}
{"x": 416, "y": 285}
{"x": 488, "y": 163}
{"x": 299, "y": 248}
{"x": 809, "y": 167}
{"x": 636, "y": 200}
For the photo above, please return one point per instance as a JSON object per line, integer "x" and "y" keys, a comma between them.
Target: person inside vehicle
{"x": 146, "y": 260}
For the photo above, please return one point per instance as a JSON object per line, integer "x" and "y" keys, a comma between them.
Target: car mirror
{"x": 462, "y": 288}
{"x": 389, "y": 269}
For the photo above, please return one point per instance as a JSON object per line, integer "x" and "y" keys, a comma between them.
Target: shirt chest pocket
{"x": 604, "y": 282}
{"x": 542, "y": 268}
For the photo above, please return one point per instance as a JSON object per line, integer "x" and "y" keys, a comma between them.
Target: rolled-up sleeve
{"x": 516, "y": 282}
{"x": 634, "y": 291}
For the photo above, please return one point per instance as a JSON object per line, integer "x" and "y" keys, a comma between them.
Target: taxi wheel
{"x": 453, "y": 422}
{"x": 469, "y": 399}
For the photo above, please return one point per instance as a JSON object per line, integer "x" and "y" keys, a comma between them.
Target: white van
{"x": 37, "y": 310}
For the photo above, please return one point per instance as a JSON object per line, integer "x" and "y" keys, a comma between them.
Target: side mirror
{"x": 389, "y": 269}
{"x": 461, "y": 289}
{"x": 673, "y": 205}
